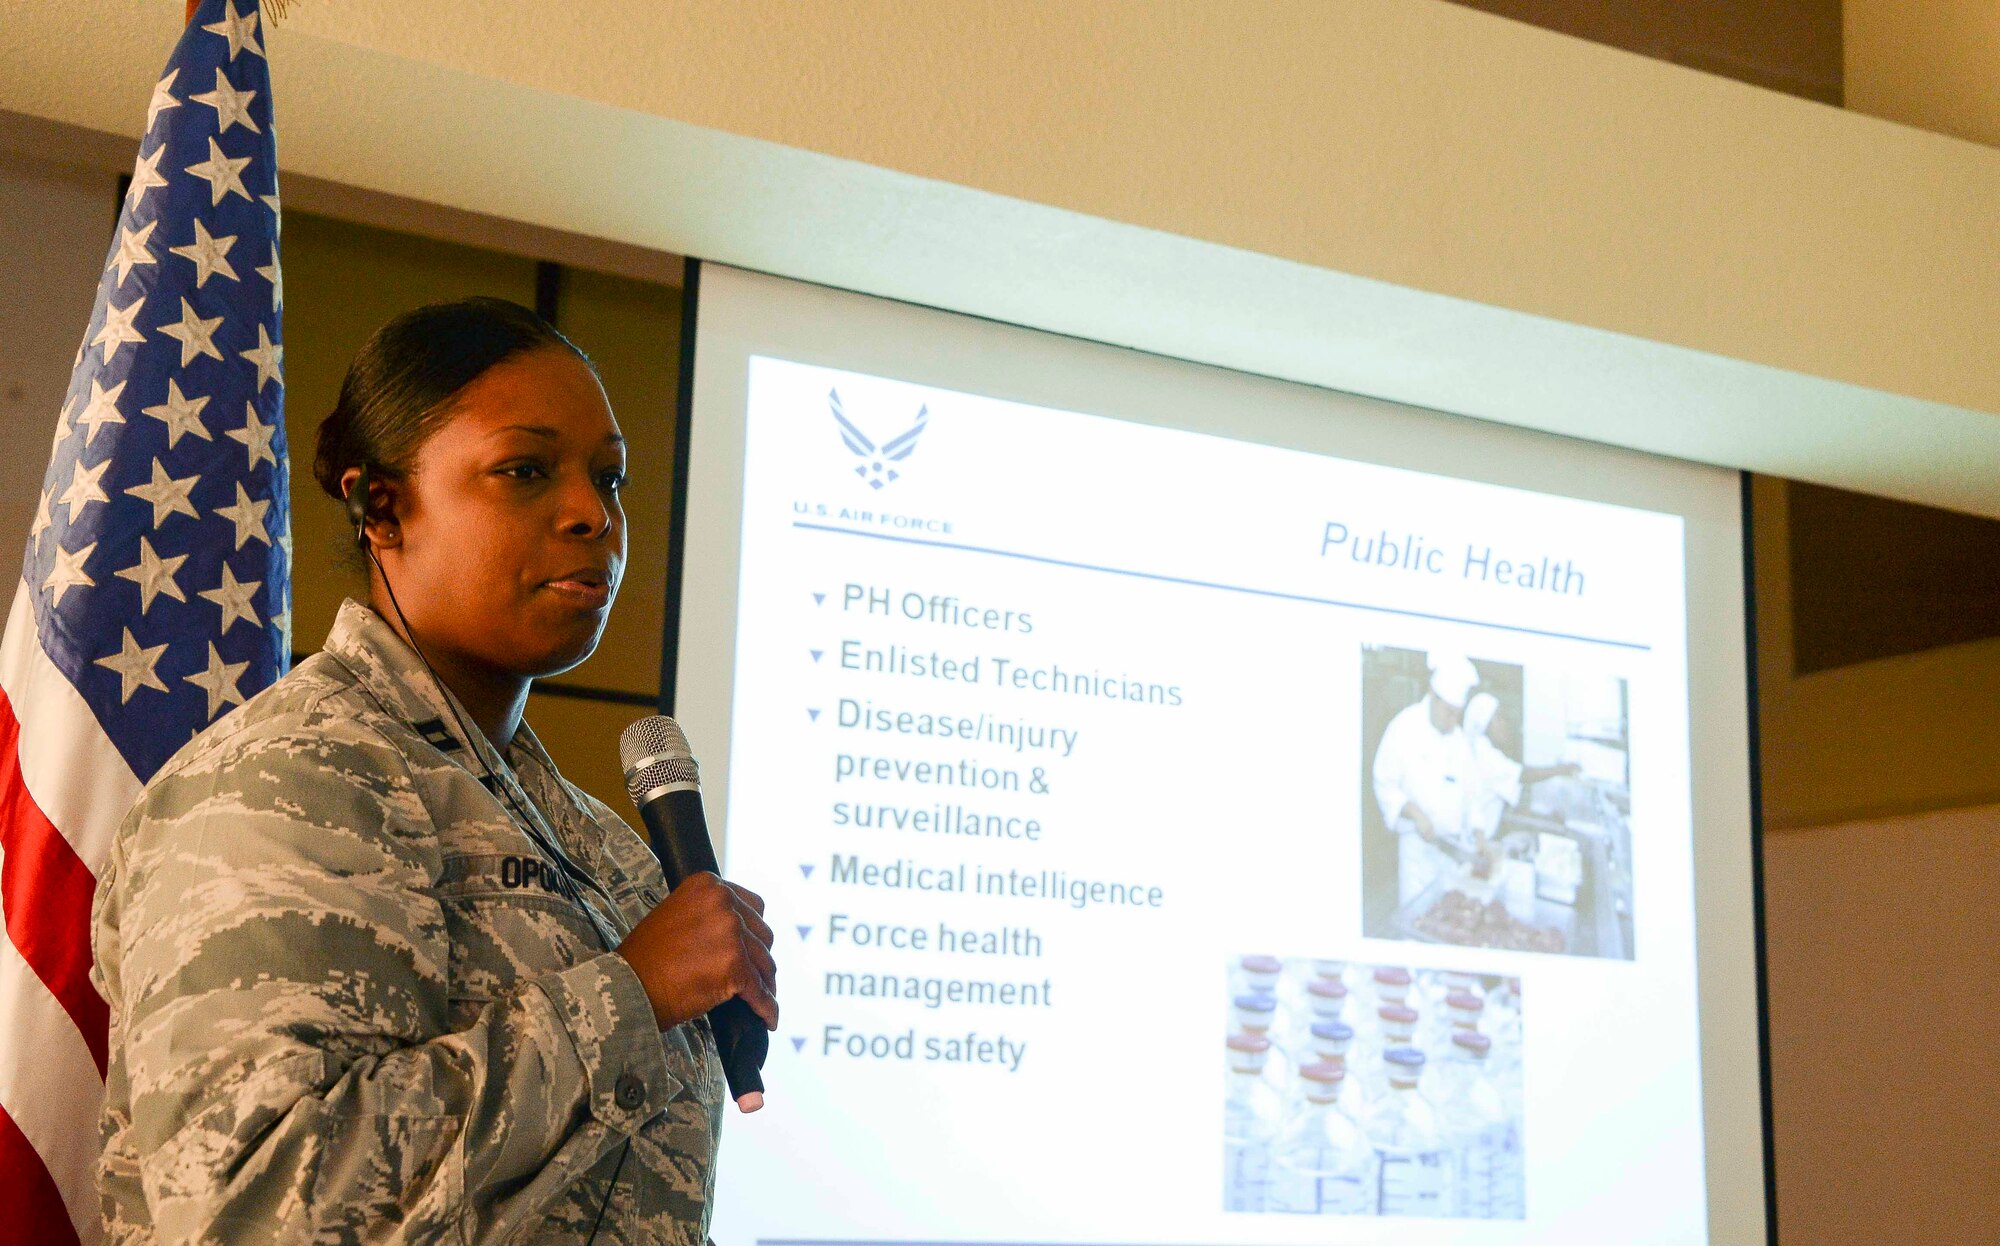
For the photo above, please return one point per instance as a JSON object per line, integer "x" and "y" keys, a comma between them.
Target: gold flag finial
{"x": 276, "y": 8}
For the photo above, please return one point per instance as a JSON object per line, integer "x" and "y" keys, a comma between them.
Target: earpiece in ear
{"x": 357, "y": 506}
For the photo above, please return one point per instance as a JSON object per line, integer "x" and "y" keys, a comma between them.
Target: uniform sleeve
{"x": 1390, "y": 758}
{"x": 1501, "y": 772}
{"x": 283, "y": 968}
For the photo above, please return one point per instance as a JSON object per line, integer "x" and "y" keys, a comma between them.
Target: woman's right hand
{"x": 703, "y": 944}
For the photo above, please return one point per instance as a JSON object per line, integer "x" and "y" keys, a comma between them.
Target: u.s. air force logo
{"x": 875, "y": 463}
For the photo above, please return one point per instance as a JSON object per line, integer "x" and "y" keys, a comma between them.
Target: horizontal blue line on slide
{"x": 1226, "y": 588}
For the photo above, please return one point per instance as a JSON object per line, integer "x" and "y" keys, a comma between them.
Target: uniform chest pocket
{"x": 509, "y": 920}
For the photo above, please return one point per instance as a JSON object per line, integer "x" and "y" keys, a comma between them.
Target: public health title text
{"x": 1479, "y": 563}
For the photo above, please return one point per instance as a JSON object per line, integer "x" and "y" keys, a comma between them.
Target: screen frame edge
{"x": 670, "y": 626}
{"x": 1757, "y": 859}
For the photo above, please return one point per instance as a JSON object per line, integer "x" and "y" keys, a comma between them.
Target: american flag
{"x": 155, "y": 594}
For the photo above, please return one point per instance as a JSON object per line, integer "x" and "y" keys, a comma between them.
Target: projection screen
{"x": 1197, "y": 808}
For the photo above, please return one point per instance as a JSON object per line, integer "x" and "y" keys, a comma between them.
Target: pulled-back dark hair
{"x": 400, "y": 387}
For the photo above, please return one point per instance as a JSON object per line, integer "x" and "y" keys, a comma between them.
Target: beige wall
{"x": 1879, "y": 924}
{"x": 1877, "y": 739}
{"x": 1415, "y": 142}
{"x": 1879, "y": 939}
{"x": 1933, "y": 64}
{"x": 1879, "y": 934}
{"x": 55, "y": 227}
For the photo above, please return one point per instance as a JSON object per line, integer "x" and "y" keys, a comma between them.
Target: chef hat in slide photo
{"x": 1453, "y": 678}
{"x": 1479, "y": 712}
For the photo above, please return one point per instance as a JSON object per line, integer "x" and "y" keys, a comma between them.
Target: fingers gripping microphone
{"x": 664, "y": 782}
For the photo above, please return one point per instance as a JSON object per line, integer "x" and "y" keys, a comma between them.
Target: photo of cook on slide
{"x": 1372, "y": 1090}
{"x": 1496, "y": 804}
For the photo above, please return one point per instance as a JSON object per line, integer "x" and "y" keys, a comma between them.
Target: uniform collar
{"x": 395, "y": 676}
{"x": 526, "y": 745}
{"x": 388, "y": 668}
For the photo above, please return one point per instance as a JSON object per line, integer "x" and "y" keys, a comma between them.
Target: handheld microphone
{"x": 665, "y": 784}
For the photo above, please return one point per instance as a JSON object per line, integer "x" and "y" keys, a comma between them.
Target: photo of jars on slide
{"x": 1371, "y": 1090}
{"x": 1496, "y": 804}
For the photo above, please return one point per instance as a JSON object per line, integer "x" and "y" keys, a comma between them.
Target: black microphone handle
{"x": 741, "y": 1043}
{"x": 679, "y": 832}
{"x": 681, "y": 840}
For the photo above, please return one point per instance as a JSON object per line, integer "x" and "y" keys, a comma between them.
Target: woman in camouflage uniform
{"x": 376, "y": 971}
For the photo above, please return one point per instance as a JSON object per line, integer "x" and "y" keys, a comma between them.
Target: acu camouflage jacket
{"x": 352, "y": 1001}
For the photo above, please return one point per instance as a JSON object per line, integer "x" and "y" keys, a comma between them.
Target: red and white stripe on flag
{"x": 155, "y": 591}
{"x": 63, "y": 789}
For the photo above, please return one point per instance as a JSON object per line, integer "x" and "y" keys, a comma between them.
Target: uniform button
{"x": 650, "y": 896}
{"x": 631, "y": 1091}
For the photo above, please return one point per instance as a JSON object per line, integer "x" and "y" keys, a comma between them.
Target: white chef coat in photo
{"x": 1496, "y": 786}
{"x": 1438, "y": 772}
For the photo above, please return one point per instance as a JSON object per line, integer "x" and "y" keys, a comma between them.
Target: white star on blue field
{"x": 159, "y": 561}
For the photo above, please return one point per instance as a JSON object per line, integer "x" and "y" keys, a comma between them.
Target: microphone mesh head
{"x": 654, "y": 752}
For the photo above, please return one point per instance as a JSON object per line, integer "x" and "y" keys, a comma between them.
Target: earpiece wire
{"x": 556, "y": 856}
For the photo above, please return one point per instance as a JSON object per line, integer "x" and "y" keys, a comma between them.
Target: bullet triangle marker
{"x": 805, "y": 932}
{"x": 806, "y": 870}
{"x": 798, "y": 1044}
{"x": 816, "y": 653}
{"x": 813, "y": 714}
{"x": 819, "y": 599}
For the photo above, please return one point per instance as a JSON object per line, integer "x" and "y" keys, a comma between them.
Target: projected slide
{"x": 1176, "y": 839}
